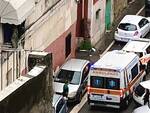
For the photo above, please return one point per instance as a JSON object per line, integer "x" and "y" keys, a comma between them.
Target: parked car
{"x": 59, "y": 104}
{"x": 131, "y": 27}
{"x": 141, "y": 93}
{"x": 75, "y": 71}
{"x": 143, "y": 109}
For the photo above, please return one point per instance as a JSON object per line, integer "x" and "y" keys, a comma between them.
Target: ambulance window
{"x": 148, "y": 50}
{"x": 113, "y": 83}
{"x": 134, "y": 71}
{"x": 97, "y": 82}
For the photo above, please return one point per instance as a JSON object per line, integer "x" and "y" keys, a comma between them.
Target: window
{"x": 97, "y": 14}
{"x": 85, "y": 72}
{"x": 108, "y": 83}
{"x": 73, "y": 77}
{"x": 134, "y": 71}
{"x": 139, "y": 90}
{"x": 60, "y": 105}
{"x": 97, "y": 82}
{"x": 148, "y": 50}
{"x": 68, "y": 45}
{"x": 112, "y": 83}
{"x": 143, "y": 22}
{"x": 7, "y": 32}
{"x": 127, "y": 27}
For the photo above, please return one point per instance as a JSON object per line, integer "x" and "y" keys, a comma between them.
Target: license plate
{"x": 97, "y": 97}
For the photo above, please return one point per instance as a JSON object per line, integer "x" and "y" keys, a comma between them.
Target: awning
{"x": 15, "y": 11}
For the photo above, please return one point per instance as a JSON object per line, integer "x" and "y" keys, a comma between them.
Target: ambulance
{"x": 113, "y": 78}
{"x": 142, "y": 48}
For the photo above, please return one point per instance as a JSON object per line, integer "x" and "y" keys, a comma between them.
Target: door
{"x": 85, "y": 77}
{"x": 108, "y": 14}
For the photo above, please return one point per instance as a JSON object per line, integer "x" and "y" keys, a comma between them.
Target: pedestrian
{"x": 65, "y": 89}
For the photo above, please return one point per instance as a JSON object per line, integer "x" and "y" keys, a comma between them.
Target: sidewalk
{"x": 108, "y": 37}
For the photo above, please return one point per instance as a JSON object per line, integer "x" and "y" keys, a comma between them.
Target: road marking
{"x": 77, "y": 108}
{"x": 140, "y": 10}
{"x": 107, "y": 48}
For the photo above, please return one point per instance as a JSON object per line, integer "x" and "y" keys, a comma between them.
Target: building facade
{"x": 53, "y": 26}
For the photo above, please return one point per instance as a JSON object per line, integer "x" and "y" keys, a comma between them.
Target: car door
{"x": 85, "y": 77}
{"x": 61, "y": 106}
{"x": 144, "y": 26}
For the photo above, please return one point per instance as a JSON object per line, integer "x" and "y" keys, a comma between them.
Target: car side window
{"x": 85, "y": 72}
{"x": 148, "y": 50}
{"x": 143, "y": 22}
{"x": 60, "y": 105}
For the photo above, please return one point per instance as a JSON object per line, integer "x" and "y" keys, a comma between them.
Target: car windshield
{"x": 139, "y": 90}
{"x": 73, "y": 77}
{"x": 127, "y": 27}
{"x": 103, "y": 82}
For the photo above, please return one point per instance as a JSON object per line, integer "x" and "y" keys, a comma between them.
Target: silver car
{"x": 59, "y": 104}
{"x": 75, "y": 71}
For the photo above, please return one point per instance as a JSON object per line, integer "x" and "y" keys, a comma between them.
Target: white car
{"x": 140, "y": 93}
{"x": 142, "y": 48}
{"x": 142, "y": 109}
{"x": 132, "y": 27}
{"x": 75, "y": 71}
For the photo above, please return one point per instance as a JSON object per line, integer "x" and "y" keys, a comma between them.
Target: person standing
{"x": 65, "y": 89}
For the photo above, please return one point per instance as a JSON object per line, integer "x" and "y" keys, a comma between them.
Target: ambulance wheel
{"x": 148, "y": 68}
{"x": 124, "y": 104}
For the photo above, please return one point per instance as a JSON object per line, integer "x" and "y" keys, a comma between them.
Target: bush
{"x": 85, "y": 45}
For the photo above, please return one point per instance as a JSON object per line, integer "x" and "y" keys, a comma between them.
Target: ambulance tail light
{"x": 88, "y": 89}
{"x": 121, "y": 93}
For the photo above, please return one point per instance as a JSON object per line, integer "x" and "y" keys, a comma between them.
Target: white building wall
{"x": 97, "y": 25}
{"x": 50, "y": 26}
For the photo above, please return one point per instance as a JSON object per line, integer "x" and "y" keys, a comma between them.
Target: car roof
{"x": 134, "y": 19}
{"x": 136, "y": 45}
{"x": 56, "y": 99}
{"x": 145, "y": 84}
{"x": 74, "y": 64}
{"x": 116, "y": 60}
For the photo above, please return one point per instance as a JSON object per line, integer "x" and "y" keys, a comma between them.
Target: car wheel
{"x": 126, "y": 103}
{"x": 79, "y": 97}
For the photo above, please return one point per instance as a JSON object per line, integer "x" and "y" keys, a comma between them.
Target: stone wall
{"x": 119, "y": 5}
{"x": 34, "y": 96}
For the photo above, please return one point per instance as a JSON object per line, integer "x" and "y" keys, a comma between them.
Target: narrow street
{"x": 132, "y": 106}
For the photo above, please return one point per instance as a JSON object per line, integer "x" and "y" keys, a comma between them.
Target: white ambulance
{"x": 142, "y": 48}
{"x": 113, "y": 78}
